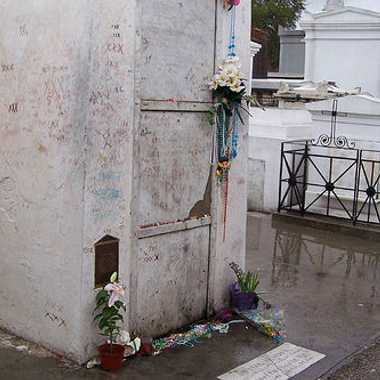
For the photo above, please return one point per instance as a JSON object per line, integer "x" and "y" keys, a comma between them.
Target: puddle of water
{"x": 327, "y": 283}
{"x": 293, "y": 252}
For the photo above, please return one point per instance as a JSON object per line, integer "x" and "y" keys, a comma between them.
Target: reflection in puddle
{"x": 307, "y": 258}
{"x": 324, "y": 252}
{"x": 326, "y": 283}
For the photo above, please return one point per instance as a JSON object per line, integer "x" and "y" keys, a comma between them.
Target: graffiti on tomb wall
{"x": 53, "y": 85}
{"x": 111, "y": 145}
{"x": 23, "y": 31}
{"x": 115, "y": 47}
{"x": 53, "y": 92}
{"x": 105, "y": 185}
{"x": 151, "y": 254}
{"x": 8, "y": 200}
{"x": 13, "y": 107}
{"x": 6, "y": 67}
{"x": 106, "y": 189}
{"x": 54, "y": 313}
{"x": 107, "y": 103}
{"x": 54, "y": 69}
{"x": 108, "y": 129}
{"x": 116, "y": 31}
{"x": 55, "y": 130}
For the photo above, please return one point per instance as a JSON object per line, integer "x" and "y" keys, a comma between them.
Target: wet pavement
{"x": 364, "y": 366}
{"x": 327, "y": 283}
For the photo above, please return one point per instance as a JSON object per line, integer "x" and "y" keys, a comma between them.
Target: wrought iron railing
{"x": 331, "y": 178}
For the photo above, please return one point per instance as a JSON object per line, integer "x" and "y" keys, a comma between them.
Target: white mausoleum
{"x": 342, "y": 45}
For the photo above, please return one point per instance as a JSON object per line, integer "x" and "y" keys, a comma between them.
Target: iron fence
{"x": 330, "y": 177}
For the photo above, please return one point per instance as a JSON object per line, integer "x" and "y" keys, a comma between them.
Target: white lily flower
{"x": 213, "y": 85}
{"x": 115, "y": 291}
{"x": 231, "y": 70}
{"x": 223, "y": 80}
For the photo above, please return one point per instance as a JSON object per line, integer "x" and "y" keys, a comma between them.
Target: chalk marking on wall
{"x": 116, "y": 30}
{"x": 5, "y": 68}
{"x": 116, "y": 48}
{"x": 109, "y": 175}
{"x": 88, "y": 250}
{"x": 56, "y": 319}
{"x": 54, "y": 68}
{"x": 23, "y": 30}
{"x": 13, "y": 108}
{"x": 108, "y": 193}
{"x": 98, "y": 97}
{"x": 54, "y": 91}
{"x": 112, "y": 64}
{"x": 55, "y": 131}
{"x": 106, "y": 135}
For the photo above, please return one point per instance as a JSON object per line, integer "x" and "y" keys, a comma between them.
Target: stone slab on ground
{"x": 281, "y": 363}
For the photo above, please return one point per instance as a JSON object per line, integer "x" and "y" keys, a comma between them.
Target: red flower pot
{"x": 111, "y": 359}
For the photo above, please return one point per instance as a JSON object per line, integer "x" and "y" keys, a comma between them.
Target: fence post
{"x": 305, "y": 173}
{"x": 280, "y": 183}
{"x": 357, "y": 185}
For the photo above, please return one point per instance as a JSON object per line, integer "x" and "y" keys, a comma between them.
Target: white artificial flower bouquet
{"x": 228, "y": 78}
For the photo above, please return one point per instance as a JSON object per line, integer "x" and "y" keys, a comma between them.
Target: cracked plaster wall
{"x": 66, "y": 90}
{"x": 43, "y": 81}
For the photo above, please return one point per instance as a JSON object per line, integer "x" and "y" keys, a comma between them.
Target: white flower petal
{"x": 113, "y": 298}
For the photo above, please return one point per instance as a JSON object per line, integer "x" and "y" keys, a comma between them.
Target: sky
{"x": 317, "y": 5}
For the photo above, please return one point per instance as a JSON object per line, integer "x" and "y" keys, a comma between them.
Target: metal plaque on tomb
{"x": 106, "y": 260}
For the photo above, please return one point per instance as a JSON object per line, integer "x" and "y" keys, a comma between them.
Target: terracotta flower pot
{"x": 243, "y": 301}
{"x": 111, "y": 360}
{"x": 146, "y": 346}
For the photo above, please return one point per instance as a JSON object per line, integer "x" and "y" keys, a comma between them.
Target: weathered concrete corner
{"x": 104, "y": 133}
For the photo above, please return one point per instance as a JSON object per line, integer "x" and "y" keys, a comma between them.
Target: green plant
{"x": 248, "y": 281}
{"x": 109, "y": 308}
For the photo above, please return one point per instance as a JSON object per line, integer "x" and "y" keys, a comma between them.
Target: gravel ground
{"x": 363, "y": 366}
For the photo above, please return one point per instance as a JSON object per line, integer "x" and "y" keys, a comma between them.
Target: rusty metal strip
{"x": 171, "y": 105}
{"x": 162, "y": 229}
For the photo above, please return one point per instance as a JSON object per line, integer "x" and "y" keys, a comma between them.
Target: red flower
{"x": 231, "y": 3}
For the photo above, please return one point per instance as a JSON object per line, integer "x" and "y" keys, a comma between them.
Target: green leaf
{"x": 108, "y": 312}
{"x": 103, "y": 323}
{"x": 117, "y": 318}
{"x": 98, "y": 317}
{"x": 102, "y": 295}
{"x": 120, "y": 305}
